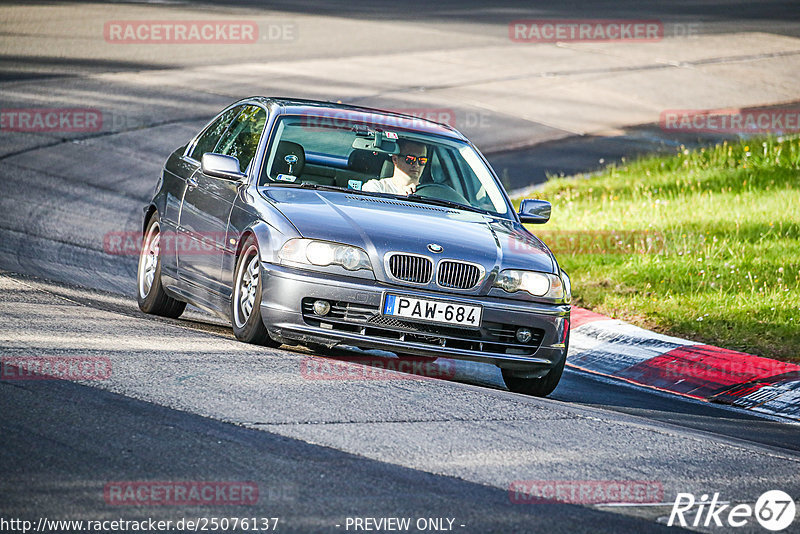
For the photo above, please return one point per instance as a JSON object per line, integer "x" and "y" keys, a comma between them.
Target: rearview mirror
{"x": 376, "y": 145}
{"x": 534, "y": 211}
{"x": 221, "y": 166}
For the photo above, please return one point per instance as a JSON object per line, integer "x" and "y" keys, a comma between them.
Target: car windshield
{"x": 380, "y": 159}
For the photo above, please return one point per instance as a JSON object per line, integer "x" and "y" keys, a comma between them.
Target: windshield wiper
{"x": 442, "y": 202}
{"x": 315, "y": 186}
{"x": 304, "y": 185}
{"x": 411, "y": 197}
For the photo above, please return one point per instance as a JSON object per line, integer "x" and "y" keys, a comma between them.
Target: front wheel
{"x": 150, "y": 293}
{"x": 538, "y": 387}
{"x": 248, "y": 325}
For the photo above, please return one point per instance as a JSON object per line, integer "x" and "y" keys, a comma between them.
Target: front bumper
{"x": 355, "y": 320}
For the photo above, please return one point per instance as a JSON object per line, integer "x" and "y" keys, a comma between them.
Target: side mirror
{"x": 221, "y": 166}
{"x": 534, "y": 211}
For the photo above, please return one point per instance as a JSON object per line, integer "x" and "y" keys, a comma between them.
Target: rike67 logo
{"x": 774, "y": 510}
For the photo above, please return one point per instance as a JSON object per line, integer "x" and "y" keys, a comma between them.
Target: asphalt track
{"x": 187, "y": 402}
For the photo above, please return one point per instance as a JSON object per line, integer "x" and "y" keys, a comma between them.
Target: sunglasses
{"x": 410, "y": 160}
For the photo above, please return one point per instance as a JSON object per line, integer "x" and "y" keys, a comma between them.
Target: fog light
{"x": 524, "y": 335}
{"x": 322, "y": 307}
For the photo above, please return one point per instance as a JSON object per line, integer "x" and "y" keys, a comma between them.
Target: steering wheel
{"x": 444, "y": 192}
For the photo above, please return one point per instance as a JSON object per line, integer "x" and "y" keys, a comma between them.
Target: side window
{"x": 209, "y": 139}
{"x": 449, "y": 174}
{"x": 437, "y": 172}
{"x": 241, "y": 139}
{"x": 465, "y": 179}
{"x": 442, "y": 169}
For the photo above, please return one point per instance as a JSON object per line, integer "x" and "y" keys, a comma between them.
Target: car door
{"x": 208, "y": 201}
{"x": 184, "y": 168}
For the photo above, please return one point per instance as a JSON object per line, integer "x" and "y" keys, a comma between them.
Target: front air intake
{"x": 458, "y": 275}
{"x": 410, "y": 268}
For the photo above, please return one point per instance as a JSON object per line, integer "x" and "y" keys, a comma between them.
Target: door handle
{"x": 192, "y": 182}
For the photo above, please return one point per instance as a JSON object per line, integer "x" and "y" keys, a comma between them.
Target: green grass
{"x": 723, "y": 262}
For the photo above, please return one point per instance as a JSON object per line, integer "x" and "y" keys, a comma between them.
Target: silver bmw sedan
{"x": 305, "y": 222}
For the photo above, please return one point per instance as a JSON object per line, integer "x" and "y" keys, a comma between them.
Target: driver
{"x": 408, "y": 167}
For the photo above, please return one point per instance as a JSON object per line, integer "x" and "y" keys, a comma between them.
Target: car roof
{"x": 338, "y": 111}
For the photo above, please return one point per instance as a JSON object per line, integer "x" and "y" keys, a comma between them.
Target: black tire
{"x": 537, "y": 387}
{"x": 248, "y": 325}
{"x": 150, "y": 293}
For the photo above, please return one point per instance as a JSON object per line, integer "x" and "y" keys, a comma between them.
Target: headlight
{"x": 537, "y": 284}
{"x": 324, "y": 253}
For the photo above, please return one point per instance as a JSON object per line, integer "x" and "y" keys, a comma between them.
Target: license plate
{"x": 432, "y": 311}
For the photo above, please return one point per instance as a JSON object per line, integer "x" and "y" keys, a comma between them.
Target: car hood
{"x": 380, "y": 225}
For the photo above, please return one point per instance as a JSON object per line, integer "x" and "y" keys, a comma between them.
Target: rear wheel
{"x": 538, "y": 387}
{"x": 248, "y": 325}
{"x": 150, "y": 293}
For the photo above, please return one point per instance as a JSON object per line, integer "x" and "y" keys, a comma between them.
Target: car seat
{"x": 281, "y": 166}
